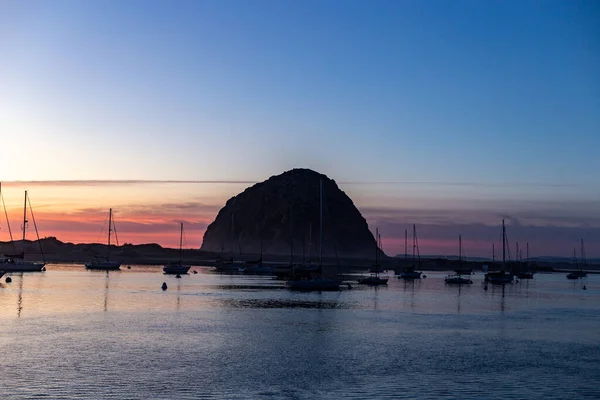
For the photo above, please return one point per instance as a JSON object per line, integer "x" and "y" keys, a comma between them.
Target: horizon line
{"x": 100, "y": 182}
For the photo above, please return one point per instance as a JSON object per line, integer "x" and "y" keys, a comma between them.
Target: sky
{"x": 450, "y": 115}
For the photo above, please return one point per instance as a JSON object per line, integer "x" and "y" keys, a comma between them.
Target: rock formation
{"x": 269, "y": 214}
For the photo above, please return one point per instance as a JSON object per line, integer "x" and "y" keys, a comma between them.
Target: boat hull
{"x": 410, "y": 275}
{"x": 458, "y": 280}
{"x": 176, "y": 269}
{"x": 314, "y": 285}
{"x": 525, "y": 275}
{"x": 23, "y": 267}
{"x": 228, "y": 268}
{"x": 103, "y": 265}
{"x": 373, "y": 281}
{"x": 577, "y": 275}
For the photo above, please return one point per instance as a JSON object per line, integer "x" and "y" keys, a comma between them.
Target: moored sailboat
{"x": 16, "y": 262}
{"x": 502, "y": 276}
{"x": 317, "y": 282}
{"x": 458, "y": 279}
{"x": 177, "y": 267}
{"x": 374, "y": 279}
{"x": 410, "y": 272}
{"x": 581, "y": 273}
{"x": 106, "y": 264}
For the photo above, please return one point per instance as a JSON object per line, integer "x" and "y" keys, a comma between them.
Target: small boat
{"x": 318, "y": 282}
{"x": 503, "y": 276}
{"x": 105, "y": 263}
{"x": 458, "y": 279}
{"x": 374, "y": 279}
{"x": 228, "y": 265}
{"x": 581, "y": 273}
{"x": 526, "y": 273}
{"x": 177, "y": 268}
{"x": 410, "y": 272}
{"x": 16, "y": 262}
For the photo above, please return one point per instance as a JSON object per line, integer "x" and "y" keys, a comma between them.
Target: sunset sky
{"x": 450, "y": 115}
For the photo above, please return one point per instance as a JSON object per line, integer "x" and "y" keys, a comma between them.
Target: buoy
{"x": 164, "y": 286}
{"x": 485, "y": 287}
{"x": 584, "y": 288}
{"x": 424, "y": 276}
{"x": 177, "y": 276}
{"x": 129, "y": 267}
{"x": 8, "y": 279}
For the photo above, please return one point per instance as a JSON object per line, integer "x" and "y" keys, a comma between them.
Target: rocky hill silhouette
{"x": 282, "y": 212}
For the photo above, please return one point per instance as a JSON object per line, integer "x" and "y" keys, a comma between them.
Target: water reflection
{"x": 410, "y": 286}
{"x": 321, "y": 304}
{"x": 106, "y": 280}
{"x": 20, "y": 295}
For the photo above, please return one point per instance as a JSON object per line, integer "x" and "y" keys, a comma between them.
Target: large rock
{"x": 286, "y": 205}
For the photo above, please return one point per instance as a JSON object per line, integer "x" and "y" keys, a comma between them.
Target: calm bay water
{"x": 70, "y": 333}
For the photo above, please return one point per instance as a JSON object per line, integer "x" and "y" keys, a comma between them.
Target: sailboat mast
{"x": 405, "y": 245}
{"x": 24, "y": 218}
{"x": 518, "y": 257}
{"x": 493, "y": 253}
{"x": 503, "y": 245}
{"x": 291, "y": 237}
{"x": 181, "y": 243}
{"x": 582, "y": 255}
{"x": 460, "y": 248}
{"x": 321, "y": 225}
{"x": 376, "y": 246}
{"x": 414, "y": 241}
{"x": 109, "y": 231}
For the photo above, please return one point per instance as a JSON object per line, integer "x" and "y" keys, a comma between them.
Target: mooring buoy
{"x": 584, "y": 288}
{"x": 8, "y": 279}
{"x": 485, "y": 287}
{"x": 164, "y": 286}
{"x": 129, "y": 267}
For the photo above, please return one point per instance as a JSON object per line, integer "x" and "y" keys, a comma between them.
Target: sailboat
{"x": 229, "y": 265}
{"x": 105, "y": 263}
{"x": 581, "y": 273}
{"x": 410, "y": 272}
{"x": 458, "y": 279}
{"x": 315, "y": 283}
{"x": 257, "y": 267}
{"x": 177, "y": 267}
{"x": 374, "y": 279}
{"x": 503, "y": 276}
{"x": 16, "y": 262}
{"x": 526, "y": 273}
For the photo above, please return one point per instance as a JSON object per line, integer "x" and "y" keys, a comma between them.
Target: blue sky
{"x": 485, "y": 92}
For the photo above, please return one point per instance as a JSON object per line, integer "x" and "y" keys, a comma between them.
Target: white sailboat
{"x": 177, "y": 267}
{"x": 105, "y": 263}
{"x": 16, "y": 262}
{"x": 316, "y": 283}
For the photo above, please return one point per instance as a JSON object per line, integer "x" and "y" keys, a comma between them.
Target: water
{"x": 70, "y": 333}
